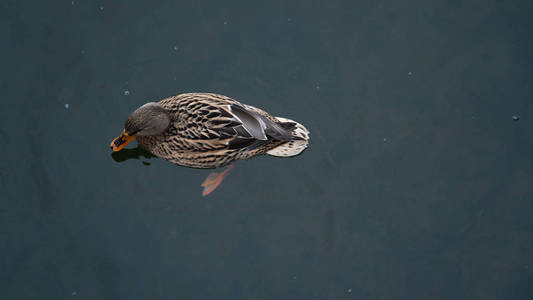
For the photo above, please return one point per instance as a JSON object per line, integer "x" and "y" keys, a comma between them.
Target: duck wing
{"x": 250, "y": 129}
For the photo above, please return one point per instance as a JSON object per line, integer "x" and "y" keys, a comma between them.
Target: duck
{"x": 207, "y": 130}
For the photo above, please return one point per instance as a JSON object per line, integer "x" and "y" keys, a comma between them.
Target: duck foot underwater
{"x": 213, "y": 180}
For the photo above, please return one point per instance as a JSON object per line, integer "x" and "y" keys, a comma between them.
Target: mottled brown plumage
{"x": 211, "y": 130}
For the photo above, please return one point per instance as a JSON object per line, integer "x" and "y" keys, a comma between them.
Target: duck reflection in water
{"x": 134, "y": 153}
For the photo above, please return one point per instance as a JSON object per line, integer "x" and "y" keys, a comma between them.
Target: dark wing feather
{"x": 260, "y": 127}
{"x": 248, "y": 129}
{"x": 252, "y": 124}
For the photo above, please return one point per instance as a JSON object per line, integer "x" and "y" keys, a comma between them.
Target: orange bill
{"x": 121, "y": 141}
{"x": 214, "y": 180}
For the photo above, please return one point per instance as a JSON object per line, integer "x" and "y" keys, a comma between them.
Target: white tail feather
{"x": 293, "y": 147}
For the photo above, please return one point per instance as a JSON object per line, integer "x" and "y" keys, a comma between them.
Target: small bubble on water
{"x": 74, "y": 293}
{"x": 101, "y": 8}
{"x": 410, "y": 73}
{"x": 67, "y": 105}
{"x": 289, "y": 19}
{"x": 126, "y": 93}
{"x": 349, "y": 291}
{"x": 225, "y": 23}
{"x": 516, "y": 117}
{"x": 176, "y": 48}
{"x": 72, "y": 2}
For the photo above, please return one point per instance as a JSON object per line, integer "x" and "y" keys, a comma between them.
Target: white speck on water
{"x": 384, "y": 139}
{"x": 176, "y": 48}
{"x": 516, "y": 117}
{"x": 318, "y": 87}
{"x": 72, "y": 2}
{"x": 74, "y": 293}
{"x": 126, "y": 93}
{"x": 289, "y": 19}
{"x": 67, "y": 105}
{"x": 101, "y": 8}
{"x": 225, "y": 22}
{"x": 349, "y": 291}
{"x": 82, "y": 52}
{"x": 410, "y": 73}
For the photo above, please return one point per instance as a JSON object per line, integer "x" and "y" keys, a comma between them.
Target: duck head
{"x": 149, "y": 119}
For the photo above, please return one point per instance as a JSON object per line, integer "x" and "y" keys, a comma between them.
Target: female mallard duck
{"x": 202, "y": 130}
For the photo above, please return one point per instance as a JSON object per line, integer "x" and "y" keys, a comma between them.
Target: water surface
{"x": 416, "y": 185}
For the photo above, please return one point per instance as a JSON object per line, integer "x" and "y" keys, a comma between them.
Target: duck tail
{"x": 298, "y": 142}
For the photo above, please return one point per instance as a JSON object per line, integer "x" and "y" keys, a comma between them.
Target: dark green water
{"x": 417, "y": 183}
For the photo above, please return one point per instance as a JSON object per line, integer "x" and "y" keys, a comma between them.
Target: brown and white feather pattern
{"x": 204, "y": 130}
